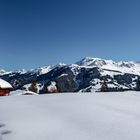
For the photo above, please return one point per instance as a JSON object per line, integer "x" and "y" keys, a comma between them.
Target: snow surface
{"x": 21, "y": 92}
{"x": 94, "y": 116}
{"x": 118, "y": 67}
{"x": 3, "y": 72}
{"x": 4, "y": 84}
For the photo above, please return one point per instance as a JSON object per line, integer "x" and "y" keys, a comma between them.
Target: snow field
{"x": 80, "y": 116}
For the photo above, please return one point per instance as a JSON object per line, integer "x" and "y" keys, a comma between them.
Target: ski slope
{"x": 89, "y": 116}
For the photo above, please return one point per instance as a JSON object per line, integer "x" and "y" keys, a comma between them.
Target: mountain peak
{"x": 90, "y": 61}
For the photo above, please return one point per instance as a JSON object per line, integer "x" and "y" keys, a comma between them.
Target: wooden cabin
{"x": 5, "y": 87}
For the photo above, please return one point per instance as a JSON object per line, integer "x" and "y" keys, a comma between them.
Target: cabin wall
{"x": 3, "y": 92}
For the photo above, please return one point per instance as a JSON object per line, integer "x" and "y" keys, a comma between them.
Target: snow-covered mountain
{"x": 85, "y": 75}
{"x": 2, "y": 71}
{"x": 122, "y": 66}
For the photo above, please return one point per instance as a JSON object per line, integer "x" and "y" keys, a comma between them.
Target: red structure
{"x": 5, "y": 87}
{"x": 3, "y": 92}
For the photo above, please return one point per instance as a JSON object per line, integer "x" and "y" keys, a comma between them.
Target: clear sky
{"x": 37, "y": 33}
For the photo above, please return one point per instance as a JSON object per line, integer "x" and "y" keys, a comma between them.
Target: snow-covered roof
{"x": 4, "y": 84}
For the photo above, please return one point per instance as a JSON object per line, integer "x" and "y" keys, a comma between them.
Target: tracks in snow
{"x": 3, "y": 131}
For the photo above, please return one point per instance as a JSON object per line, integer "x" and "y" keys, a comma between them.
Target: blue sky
{"x": 36, "y": 33}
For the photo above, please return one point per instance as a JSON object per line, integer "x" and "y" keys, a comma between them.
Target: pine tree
{"x": 104, "y": 87}
{"x": 138, "y": 84}
{"x": 33, "y": 87}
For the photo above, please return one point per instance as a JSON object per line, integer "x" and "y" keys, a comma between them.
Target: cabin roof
{"x": 4, "y": 84}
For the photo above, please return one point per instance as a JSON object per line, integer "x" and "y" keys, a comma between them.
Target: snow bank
{"x": 99, "y": 116}
{"x": 22, "y": 92}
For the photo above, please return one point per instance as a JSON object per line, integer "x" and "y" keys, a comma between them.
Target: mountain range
{"x": 85, "y": 75}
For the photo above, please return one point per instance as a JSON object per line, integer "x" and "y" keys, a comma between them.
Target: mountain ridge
{"x": 85, "y": 62}
{"x": 85, "y": 75}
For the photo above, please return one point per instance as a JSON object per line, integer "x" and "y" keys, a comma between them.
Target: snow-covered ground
{"x": 89, "y": 116}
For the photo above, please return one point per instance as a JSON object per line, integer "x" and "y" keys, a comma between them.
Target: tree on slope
{"x": 33, "y": 87}
{"x": 104, "y": 87}
{"x": 138, "y": 84}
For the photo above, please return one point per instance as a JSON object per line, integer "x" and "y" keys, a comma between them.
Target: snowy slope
{"x": 106, "y": 116}
{"x": 3, "y": 72}
{"x": 45, "y": 69}
{"x": 118, "y": 67}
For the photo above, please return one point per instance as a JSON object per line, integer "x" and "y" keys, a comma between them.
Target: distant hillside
{"x": 86, "y": 75}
